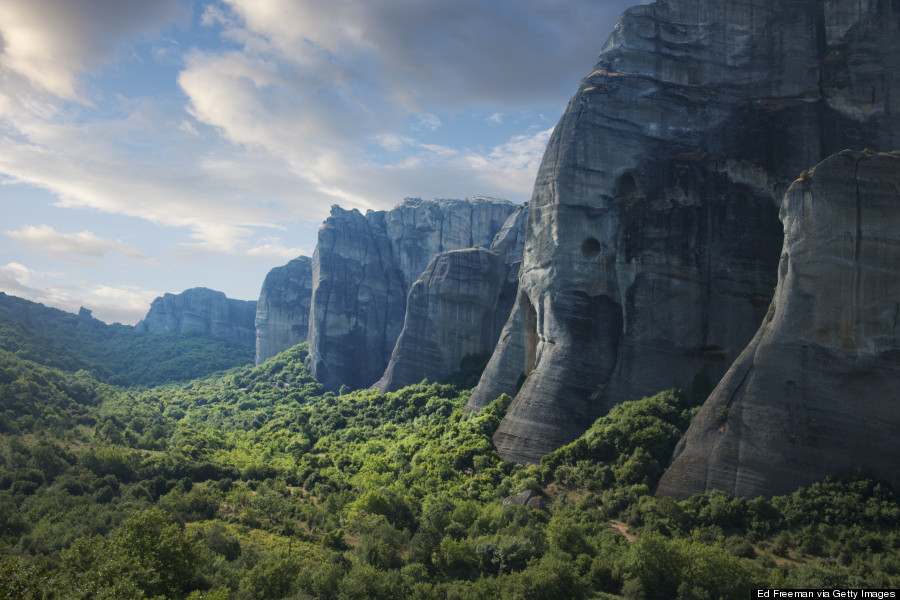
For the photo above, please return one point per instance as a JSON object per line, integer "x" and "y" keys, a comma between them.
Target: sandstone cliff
{"x": 653, "y": 235}
{"x": 364, "y": 267}
{"x": 282, "y": 312}
{"x": 814, "y": 393}
{"x": 204, "y": 311}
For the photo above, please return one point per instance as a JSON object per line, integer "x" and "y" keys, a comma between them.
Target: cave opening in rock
{"x": 626, "y": 188}
{"x": 591, "y": 248}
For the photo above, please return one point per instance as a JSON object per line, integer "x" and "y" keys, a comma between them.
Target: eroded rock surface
{"x": 451, "y": 311}
{"x": 457, "y": 306}
{"x": 282, "y": 311}
{"x": 204, "y": 311}
{"x": 365, "y": 265}
{"x": 653, "y": 234}
{"x": 814, "y": 393}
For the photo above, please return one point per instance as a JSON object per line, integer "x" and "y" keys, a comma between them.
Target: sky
{"x": 147, "y": 147}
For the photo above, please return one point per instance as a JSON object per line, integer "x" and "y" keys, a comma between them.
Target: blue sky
{"x": 150, "y": 147}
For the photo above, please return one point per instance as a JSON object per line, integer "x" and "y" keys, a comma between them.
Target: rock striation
{"x": 456, "y": 307}
{"x": 653, "y": 236}
{"x": 202, "y": 310}
{"x": 282, "y": 311}
{"x": 365, "y": 265}
{"x": 814, "y": 393}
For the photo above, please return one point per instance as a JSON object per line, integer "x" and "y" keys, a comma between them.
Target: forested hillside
{"x": 256, "y": 484}
{"x": 112, "y": 353}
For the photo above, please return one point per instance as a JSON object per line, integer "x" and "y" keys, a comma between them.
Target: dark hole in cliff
{"x": 626, "y": 189}
{"x": 713, "y": 352}
{"x": 591, "y": 248}
{"x": 530, "y": 336}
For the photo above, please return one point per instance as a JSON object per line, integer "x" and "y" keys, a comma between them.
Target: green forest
{"x": 120, "y": 479}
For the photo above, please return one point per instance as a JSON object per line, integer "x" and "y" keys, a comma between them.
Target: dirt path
{"x": 623, "y": 529}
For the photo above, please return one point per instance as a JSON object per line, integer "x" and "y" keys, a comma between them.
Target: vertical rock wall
{"x": 653, "y": 234}
{"x": 202, "y": 310}
{"x": 282, "y": 311}
{"x": 363, "y": 269}
{"x": 457, "y": 306}
{"x": 814, "y": 393}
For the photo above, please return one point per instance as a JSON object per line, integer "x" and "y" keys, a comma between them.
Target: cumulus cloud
{"x": 48, "y": 43}
{"x": 447, "y": 53}
{"x": 14, "y": 278}
{"x": 181, "y": 179}
{"x": 283, "y": 120}
{"x": 126, "y": 304}
{"x": 74, "y": 247}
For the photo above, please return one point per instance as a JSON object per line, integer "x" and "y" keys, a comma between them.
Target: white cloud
{"x": 15, "y": 275}
{"x": 125, "y": 304}
{"x": 119, "y": 304}
{"x": 496, "y": 118}
{"x": 18, "y": 280}
{"x": 450, "y": 52}
{"x": 428, "y": 122}
{"x": 48, "y": 43}
{"x": 74, "y": 247}
{"x": 281, "y": 122}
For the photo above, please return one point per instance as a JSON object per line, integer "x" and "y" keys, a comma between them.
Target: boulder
{"x": 526, "y": 498}
{"x": 814, "y": 393}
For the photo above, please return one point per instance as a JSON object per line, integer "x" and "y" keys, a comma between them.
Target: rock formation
{"x": 87, "y": 322}
{"x": 814, "y": 393}
{"x": 202, "y": 310}
{"x": 282, "y": 312}
{"x": 653, "y": 235}
{"x": 457, "y": 306}
{"x": 363, "y": 269}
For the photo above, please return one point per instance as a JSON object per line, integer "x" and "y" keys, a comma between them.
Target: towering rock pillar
{"x": 282, "y": 311}
{"x": 815, "y": 393}
{"x": 653, "y": 234}
{"x": 457, "y": 306}
{"x": 363, "y": 269}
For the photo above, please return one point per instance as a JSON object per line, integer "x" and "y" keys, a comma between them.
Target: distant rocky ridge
{"x": 42, "y": 318}
{"x": 458, "y": 306}
{"x": 202, "y": 310}
{"x": 815, "y": 393}
{"x": 653, "y": 236}
{"x": 282, "y": 311}
{"x": 365, "y": 265}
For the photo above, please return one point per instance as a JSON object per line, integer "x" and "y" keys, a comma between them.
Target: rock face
{"x": 87, "y": 322}
{"x": 204, "y": 311}
{"x": 282, "y": 312}
{"x": 653, "y": 236}
{"x": 363, "y": 269}
{"x": 814, "y": 393}
{"x": 456, "y": 307}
